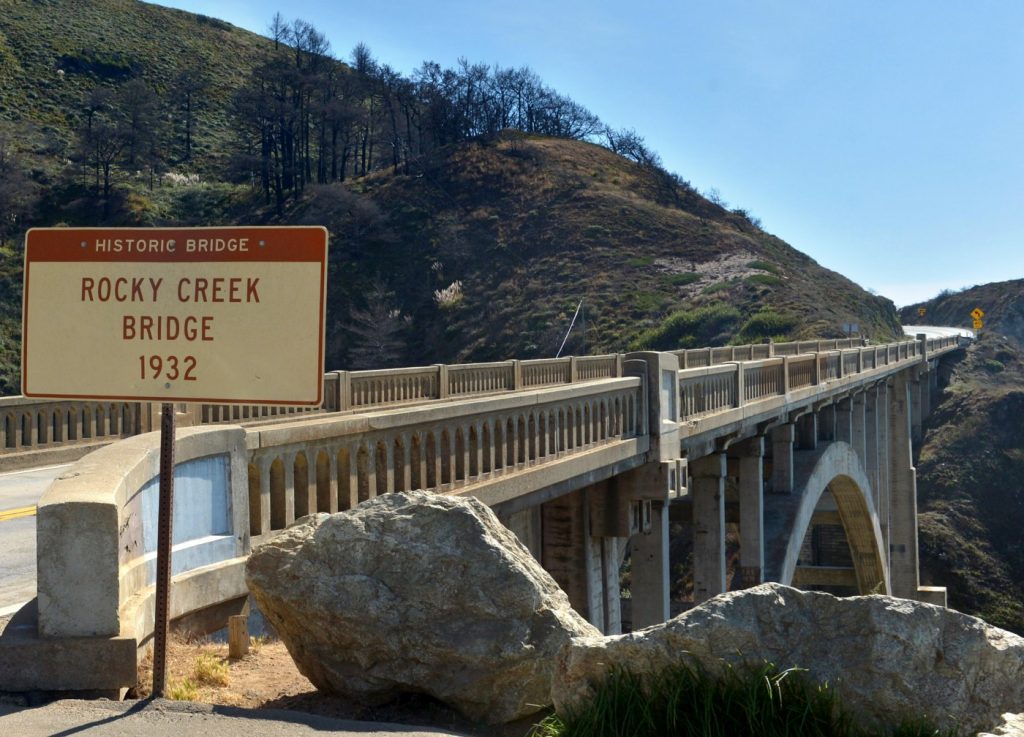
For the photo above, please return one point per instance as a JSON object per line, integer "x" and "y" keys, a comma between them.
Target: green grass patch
{"x": 763, "y": 266}
{"x": 689, "y": 329}
{"x": 763, "y": 280}
{"x": 767, "y": 323}
{"x": 640, "y": 261}
{"x": 685, "y": 700}
{"x": 719, "y": 286}
{"x": 684, "y": 278}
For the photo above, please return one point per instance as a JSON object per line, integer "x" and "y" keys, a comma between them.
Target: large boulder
{"x": 421, "y": 593}
{"x": 887, "y": 657}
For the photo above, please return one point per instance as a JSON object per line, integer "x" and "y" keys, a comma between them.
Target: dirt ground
{"x": 268, "y": 678}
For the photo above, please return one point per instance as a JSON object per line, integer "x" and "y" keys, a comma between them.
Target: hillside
{"x": 970, "y": 473}
{"x": 476, "y": 249}
{"x": 530, "y": 226}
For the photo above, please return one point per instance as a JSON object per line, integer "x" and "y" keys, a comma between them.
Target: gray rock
{"x": 887, "y": 657}
{"x": 1012, "y": 726}
{"x": 421, "y": 593}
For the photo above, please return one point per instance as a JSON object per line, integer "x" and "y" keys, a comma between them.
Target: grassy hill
{"x": 530, "y": 226}
{"x": 971, "y": 466}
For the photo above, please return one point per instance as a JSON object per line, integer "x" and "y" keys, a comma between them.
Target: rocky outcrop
{"x": 415, "y": 592}
{"x": 887, "y": 657}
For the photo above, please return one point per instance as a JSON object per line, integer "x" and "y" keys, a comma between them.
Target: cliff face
{"x": 971, "y": 465}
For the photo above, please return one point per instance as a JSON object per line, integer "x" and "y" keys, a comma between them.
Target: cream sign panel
{"x": 205, "y": 314}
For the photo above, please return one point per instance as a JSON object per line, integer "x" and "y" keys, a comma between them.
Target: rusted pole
{"x": 165, "y": 517}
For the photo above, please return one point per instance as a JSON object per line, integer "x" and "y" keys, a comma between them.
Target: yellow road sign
{"x": 978, "y": 324}
{"x": 921, "y": 311}
{"x": 977, "y": 313}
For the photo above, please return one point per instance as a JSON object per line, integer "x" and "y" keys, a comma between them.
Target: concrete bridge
{"x": 786, "y": 462}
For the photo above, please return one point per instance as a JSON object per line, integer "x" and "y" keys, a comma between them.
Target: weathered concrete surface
{"x": 887, "y": 657}
{"x": 415, "y": 592}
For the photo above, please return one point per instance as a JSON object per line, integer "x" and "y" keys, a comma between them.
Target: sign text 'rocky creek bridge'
{"x": 802, "y": 450}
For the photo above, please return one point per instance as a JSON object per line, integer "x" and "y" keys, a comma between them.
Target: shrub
{"x": 747, "y": 702}
{"x": 688, "y": 328}
{"x": 184, "y": 690}
{"x": 767, "y": 324}
{"x": 683, "y": 278}
{"x": 763, "y": 280}
{"x": 210, "y": 670}
{"x": 763, "y": 266}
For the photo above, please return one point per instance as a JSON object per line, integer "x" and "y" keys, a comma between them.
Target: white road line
{"x": 35, "y": 470}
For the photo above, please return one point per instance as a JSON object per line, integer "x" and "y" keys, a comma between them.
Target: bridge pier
{"x": 751, "y": 488}
{"x": 708, "y": 492}
{"x": 902, "y": 501}
{"x": 649, "y": 563}
{"x": 783, "y": 438}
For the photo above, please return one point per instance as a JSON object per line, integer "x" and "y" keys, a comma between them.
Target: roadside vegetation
{"x": 686, "y": 700}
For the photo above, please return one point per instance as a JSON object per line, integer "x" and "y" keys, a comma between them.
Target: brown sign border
{"x": 306, "y": 243}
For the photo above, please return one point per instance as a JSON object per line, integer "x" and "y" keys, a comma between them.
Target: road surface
{"x": 934, "y": 331}
{"x": 19, "y": 493}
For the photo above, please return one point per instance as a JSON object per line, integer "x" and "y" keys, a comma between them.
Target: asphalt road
{"x": 162, "y": 718}
{"x": 19, "y": 492}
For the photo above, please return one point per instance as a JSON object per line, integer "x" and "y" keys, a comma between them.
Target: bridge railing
{"x": 98, "y": 522}
{"x": 336, "y": 461}
{"x": 30, "y": 424}
{"x": 708, "y": 390}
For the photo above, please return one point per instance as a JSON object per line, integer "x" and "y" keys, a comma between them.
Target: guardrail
{"x": 29, "y": 424}
{"x": 707, "y": 390}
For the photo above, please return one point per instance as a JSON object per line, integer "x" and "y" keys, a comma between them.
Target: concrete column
{"x": 807, "y": 431}
{"x": 871, "y": 436}
{"x": 858, "y": 405}
{"x": 751, "y": 488}
{"x": 649, "y": 567}
{"x": 883, "y": 458}
{"x": 844, "y": 421}
{"x": 708, "y": 479}
{"x": 915, "y": 410}
{"x": 926, "y": 394}
{"x": 526, "y": 524}
{"x": 783, "y": 438}
{"x": 563, "y": 536}
{"x": 903, "y": 561}
{"x": 827, "y": 423}
{"x": 611, "y": 547}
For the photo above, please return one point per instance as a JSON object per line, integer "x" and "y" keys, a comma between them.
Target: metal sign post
{"x": 165, "y": 537}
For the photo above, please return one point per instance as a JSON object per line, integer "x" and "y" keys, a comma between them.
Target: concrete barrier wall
{"x": 96, "y": 530}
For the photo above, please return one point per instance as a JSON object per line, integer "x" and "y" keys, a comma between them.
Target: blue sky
{"x": 881, "y": 138}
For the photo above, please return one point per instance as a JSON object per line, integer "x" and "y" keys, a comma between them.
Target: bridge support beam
{"x": 807, "y": 431}
{"x": 579, "y": 556}
{"x": 844, "y": 421}
{"x": 915, "y": 410}
{"x": 858, "y": 420}
{"x": 926, "y": 394}
{"x": 708, "y": 493}
{"x": 649, "y": 566}
{"x": 903, "y": 559}
{"x": 751, "y": 488}
{"x": 782, "y": 458}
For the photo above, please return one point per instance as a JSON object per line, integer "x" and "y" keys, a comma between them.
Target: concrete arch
{"x": 837, "y": 468}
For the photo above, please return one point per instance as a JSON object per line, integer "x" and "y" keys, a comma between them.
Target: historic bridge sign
{"x": 216, "y": 315}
